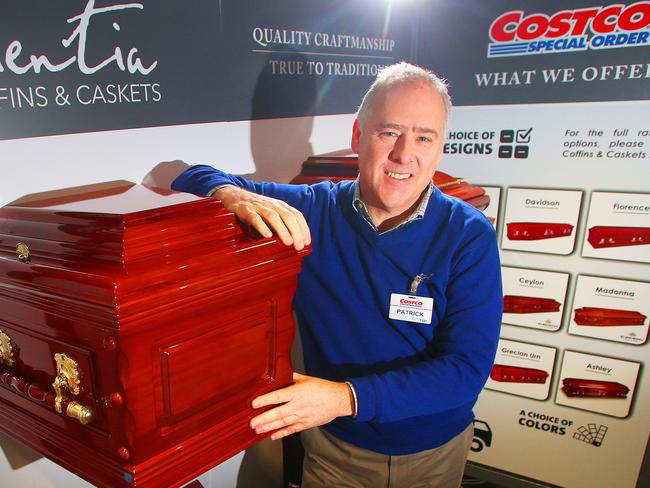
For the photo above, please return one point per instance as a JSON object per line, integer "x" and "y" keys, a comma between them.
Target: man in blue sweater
{"x": 399, "y": 305}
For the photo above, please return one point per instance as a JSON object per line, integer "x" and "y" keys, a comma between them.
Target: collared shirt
{"x": 417, "y": 214}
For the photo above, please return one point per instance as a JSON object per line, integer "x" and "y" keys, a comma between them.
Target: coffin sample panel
{"x": 618, "y": 227}
{"x": 611, "y": 309}
{"x": 522, "y": 369}
{"x": 541, "y": 220}
{"x": 136, "y": 326}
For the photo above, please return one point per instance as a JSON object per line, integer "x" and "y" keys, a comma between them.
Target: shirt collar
{"x": 417, "y": 214}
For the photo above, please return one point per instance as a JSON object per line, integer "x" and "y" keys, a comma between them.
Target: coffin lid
{"x": 112, "y": 224}
{"x": 346, "y": 167}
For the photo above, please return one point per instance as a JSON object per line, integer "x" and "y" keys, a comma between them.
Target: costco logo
{"x": 606, "y": 27}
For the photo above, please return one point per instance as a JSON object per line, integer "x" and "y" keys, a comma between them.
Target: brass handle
{"x": 35, "y": 393}
{"x": 60, "y": 384}
{"x": 68, "y": 378}
{"x": 78, "y": 412}
{"x": 6, "y": 350}
{"x": 23, "y": 252}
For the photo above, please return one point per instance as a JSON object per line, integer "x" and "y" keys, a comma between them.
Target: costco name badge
{"x": 411, "y": 308}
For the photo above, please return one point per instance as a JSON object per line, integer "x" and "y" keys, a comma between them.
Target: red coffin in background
{"x": 523, "y": 304}
{"x": 533, "y": 231}
{"x": 606, "y": 236}
{"x": 581, "y": 387}
{"x": 604, "y": 317}
{"x": 137, "y": 325}
{"x": 338, "y": 168}
{"x": 517, "y": 374}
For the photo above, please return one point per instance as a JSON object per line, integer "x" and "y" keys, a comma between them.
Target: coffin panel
{"x": 210, "y": 369}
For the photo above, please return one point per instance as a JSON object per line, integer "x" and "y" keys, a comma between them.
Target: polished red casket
{"x": 583, "y": 387}
{"x": 524, "y": 304}
{"x": 608, "y": 236}
{"x": 532, "y": 231}
{"x": 604, "y": 317}
{"x": 136, "y": 326}
{"x": 517, "y": 374}
{"x": 338, "y": 168}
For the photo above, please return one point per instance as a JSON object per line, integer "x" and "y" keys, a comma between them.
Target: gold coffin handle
{"x": 6, "y": 350}
{"x": 23, "y": 252}
{"x": 67, "y": 378}
{"x": 79, "y": 412}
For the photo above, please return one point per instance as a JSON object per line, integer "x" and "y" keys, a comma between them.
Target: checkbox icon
{"x": 523, "y": 136}
{"x": 505, "y": 152}
{"x": 507, "y": 136}
{"x": 521, "y": 152}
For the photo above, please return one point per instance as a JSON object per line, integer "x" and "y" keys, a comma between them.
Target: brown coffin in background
{"x": 607, "y": 317}
{"x": 338, "y": 168}
{"x": 523, "y": 304}
{"x": 152, "y": 316}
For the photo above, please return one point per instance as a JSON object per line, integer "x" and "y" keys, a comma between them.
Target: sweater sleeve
{"x": 201, "y": 179}
{"x": 453, "y": 370}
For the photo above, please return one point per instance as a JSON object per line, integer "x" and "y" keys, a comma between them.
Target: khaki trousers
{"x": 331, "y": 462}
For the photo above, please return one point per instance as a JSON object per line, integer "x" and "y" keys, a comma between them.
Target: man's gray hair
{"x": 402, "y": 73}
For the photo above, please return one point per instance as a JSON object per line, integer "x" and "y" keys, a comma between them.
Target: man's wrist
{"x": 354, "y": 402}
{"x": 212, "y": 192}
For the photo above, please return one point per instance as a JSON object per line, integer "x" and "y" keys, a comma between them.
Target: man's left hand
{"x": 309, "y": 402}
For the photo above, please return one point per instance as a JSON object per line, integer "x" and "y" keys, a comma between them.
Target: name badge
{"x": 411, "y": 308}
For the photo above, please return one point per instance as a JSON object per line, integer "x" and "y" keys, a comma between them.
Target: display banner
{"x": 568, "y": 400}
{"x": 539, "y": 51}
{"x": 90, "y": 65}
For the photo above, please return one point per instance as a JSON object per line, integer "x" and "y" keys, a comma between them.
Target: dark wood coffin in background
{"x": 338, "y": 168}
{"x": 583, "y": 387}
{"x": 155, "y": 316}
{"x": 523, "y": 304}
{"x": 606, "y": 317}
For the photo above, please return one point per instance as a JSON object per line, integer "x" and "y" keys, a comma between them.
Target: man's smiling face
{"x": 399, "y": 147}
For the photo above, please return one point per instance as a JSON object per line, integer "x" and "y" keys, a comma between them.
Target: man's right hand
{"x": 266, "y": 215}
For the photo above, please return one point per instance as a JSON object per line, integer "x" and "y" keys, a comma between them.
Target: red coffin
{"x": 522, "y": 304}
{"x": 604, "y": 317}
{"x": 137, "y": 325}
{"x": 517, "y": 374}
{"x": 578, "y": 387}
{"x": 321, "y": 168}
{"x": 603, "y": 236}
{"x": 533, "y": 231}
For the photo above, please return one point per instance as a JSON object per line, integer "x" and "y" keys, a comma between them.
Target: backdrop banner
{"x": 90, "y": 65}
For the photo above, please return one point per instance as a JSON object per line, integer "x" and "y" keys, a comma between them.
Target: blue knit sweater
{"x": 416, "y": 383}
